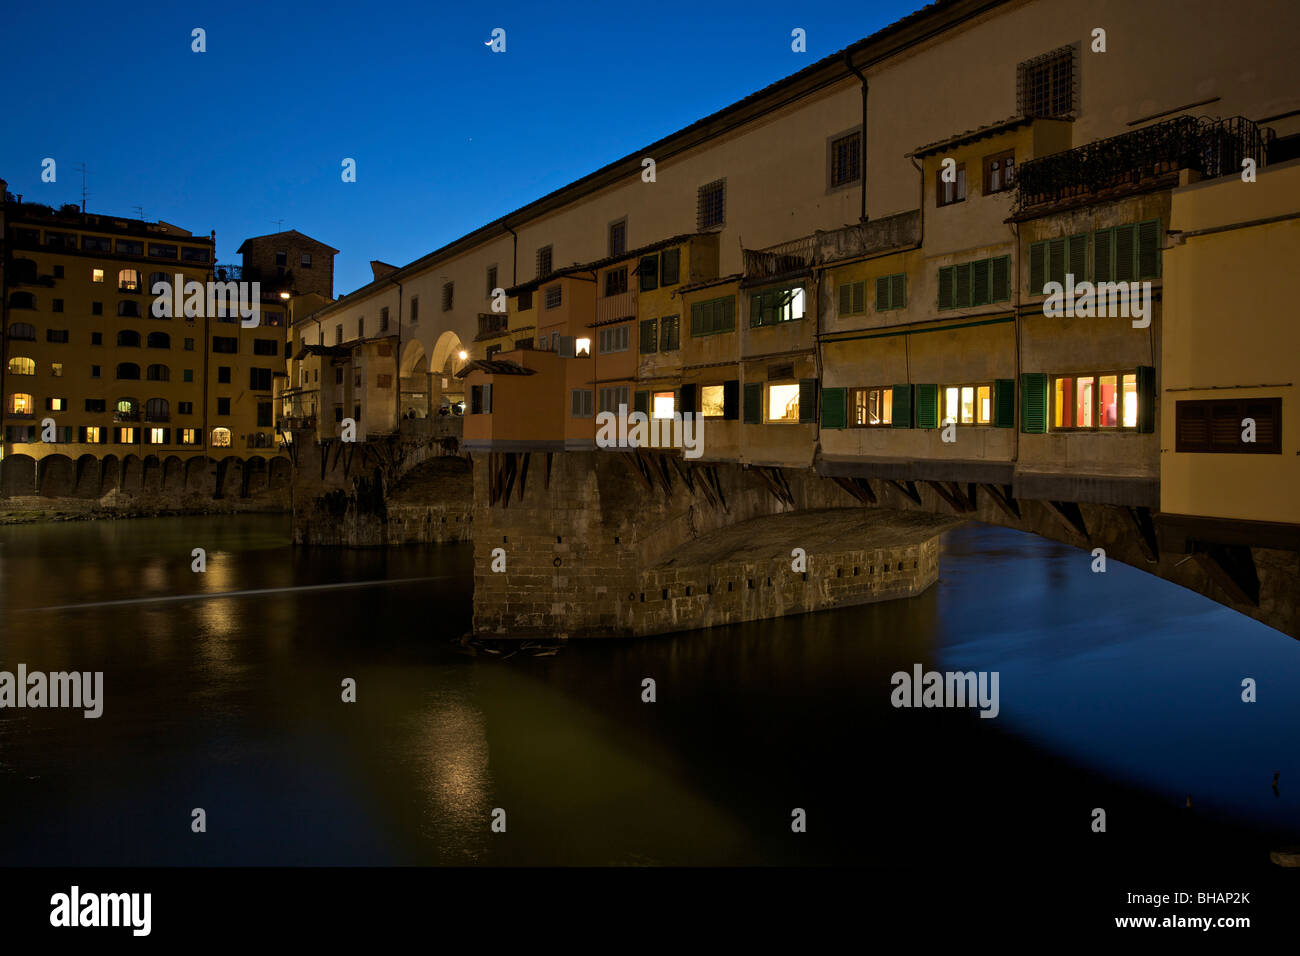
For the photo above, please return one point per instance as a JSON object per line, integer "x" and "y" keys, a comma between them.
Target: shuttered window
{"x": 1222, "y": 426}
{"x": 980, "y": 282}
{"x": 1051, "y": 259}
{"x": 902, "y": 407}
{"x": 1127, "y": 253}
{"x": 775, "y": 306}
{"x": 649, "y": 336}
{"x": 927, "y": 406}
{"x": 1033, "y": 403}
{"x": 753, "y": 403}
{"x": 731, "y": 399}
{"x": 1105, "y": 401}
{"x": 891, "y": 292}
{"x": 834, "y": 407}
{"x": 580, "y": 400}
{"x": 808, "y": 400}
{"x": 853, "y": 298}
{"x": 1004, "y": 403}
{"x": 614, "y": 339}
{"x": 670, "y": 333}
{"x": 670, "y": 264}
{"x": 713, "y": 316}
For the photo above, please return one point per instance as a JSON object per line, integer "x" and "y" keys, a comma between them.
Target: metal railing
{"x": 783, "y": 259}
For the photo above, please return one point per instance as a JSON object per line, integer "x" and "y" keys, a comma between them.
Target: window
{"x": 612, "y": 398}
{"x": 338, "y": 375}
{"x": 96, "y": 275}
{"x": 967, "y": 404}
{"x": 274, "y": 319}
{"x": 185, "y": 408}
{"x": 1045, "y": 85}
{"x": 57, "y": 305}
{"x": 649, "y": 336}
{"x": 189, "y": 436}
{"x": 189, "y": 345}
{"x": 891, "y": 292}
{"x": 385, "y": 381}
{"x": 128, "y": 338}
{"x": 1217, "y": 425}
{"x": 999, "y": 172}
{"x": 305, "y": 260}
{"x": 580, "y": 403}
{"x": 130, "y": 247}
{"x": 581, "y": 348}
{"x": 846, "y": 160}
{"x": 480, "y": 400}
{"x": 1052, "y": 259}
{"x": 128, "y": 309}
{"x": 711, "y": 205}
{"x": 128, "y": 370}
{"x": 159, "y": 340}
{"x": 947, "y": 193}
{"x": 56, "y": 369}
{"x": 95, "y": 405}
{"x": 543, "y": 262}
{"x": 58, "y": 336}
{"x": 22, "y": 331}
{"x": 264, "y": 415}
{"x": 223, "y": 375}
{"x": 1125, "y": 253}
{"x": 157, "y": 410}
{"x": 415, "y": 309}
{"x": 96, "y": 308}
{"x": 776, "y": 306}
{"x": 361, "y": 329}
{"x": 223, "y": 406}
{"x": 383, "y": 319}
{"x": 56, "y": 404}
{"x": 491, "y": 280}
{"x": 22, "y": 300}
{"x": 448, "y": 295}
{"x": 662, "y": 404}
{"x": 221, "y": 438}
{"x": 670, "y": 333}
{"x": 91, "y": 434}
{"x": 22, "y": 366}
{"x": 263, "y": 347}
{"x": 160, "y": 251}
{"x": 158, "y": 373}
{"x": 853, "y": 298}
{"x": 670, "y": 267}
{"x": 193, "y": 254}
{"x": 58, "y": 272}
{"x": 618, "y": 237}
{"x": 616, "y": 281}
{"x": 648, "y": 271}
{"x": 125, "y": 435}
{"x": 713, "y": 316}
{"x": 282, "y": 258}
{"x": 126, "y": 410}
{"x": 96, "y": 338}
{"x": 524, "y": 300}
{"x": 95, "y": 244}
{"x": 20, "y": 403}
{"x": 871, "y": 407}
{"x": 1096, "y": 400}
{"x": 783, "y": 402}
{"x": 713, "y": 401}
{"x": 980, "y": 282}
{"x": 338, "y": 334}
{"x": 616, "y": 339}
{"x": 94, "y": 371}
{"x": 155, "y": 278}
{"x": 128, "y": 280}
{"x": 553, "y": 297}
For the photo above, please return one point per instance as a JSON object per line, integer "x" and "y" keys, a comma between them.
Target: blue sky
{"x": 446, "y": 135}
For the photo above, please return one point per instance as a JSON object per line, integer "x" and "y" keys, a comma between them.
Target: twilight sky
{"x": 446, "y": 135}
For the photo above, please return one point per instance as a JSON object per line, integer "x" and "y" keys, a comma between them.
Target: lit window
{"x": 20, "y": 403}
{"x": 221, "y": 437}
{"x": 126, "y": 436}
{"x": 664, "y": 403}
{"x": 156, "y": 436}
{"x": 1085, "y": 402}
{"x": 92, "y": 434}
{"x": 128, "y": 280}
{"x": 984, "y": 404}
{"x": 711, "y": 401}
{"x": 189, "y": 436}
{"x": 1103, "y": 400}
{"x": 96, "y": 275}
{"x": 1130, "y": 418}
{"x": 968, "y": 404}
{"x": 582, "y": 347}
{"x": 56, "y": 369}
{"x": 872, "y": 407}
{"x": 783, "y": 403}
{"x": 1108, "y": 391}
{"x": 22, "y": 366}
{"x": 58, "y": 404}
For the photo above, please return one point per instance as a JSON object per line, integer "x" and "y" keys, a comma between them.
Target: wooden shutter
{"x": 962, "y": 285}
{"x": 753, "y": 403}
{"x": 641, "y": 402}
{"x": 1056, "y": 260}
{"x": 807, "y": 399}
{"x": 1192, "y": 427}
{"x": 731, "y": 400}
{"x": 927, "y": 406}
{"x": 902, "y": 417}
{"x": 697, "y": 318}
{"x": 1125, "y": 253}
{"x": 566, "y": 346}
{"x": 1146, "y": 396}
{"x": 487, "y": 399}
{"x": 834, "y": 407}
{"x": 1000, "y": 290}
{"x": 1077, "y": 257}
{"x": 945, "y": 288}
{"x": 1033, "y": 403}
{"x": 1148, "y": 249}
{"x": 1004, "y": 403}
{"x": 688, "y": 396}
{"x": 898, "y": 291}
{"x": 882, "y": 293}
{"x": 860, "y": 297}
{"x": 649, "y": 336}
{"x": 1103, "y": 251}
{"x": 846, "y": 298}
{"x": 980, "y": 282}
{"x": 1037, "y": 267}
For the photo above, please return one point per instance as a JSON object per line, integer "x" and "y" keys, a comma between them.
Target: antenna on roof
{"x": 140, "y": 210}
{"x": 82, "y": 167}
{"x": 279, "y": 225}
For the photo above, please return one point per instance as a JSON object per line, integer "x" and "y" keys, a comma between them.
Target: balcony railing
{"x": 787, "y": 258}
{"x": 1208, "y": 146}
{"x": 620, "y": 306}
{"x": 492, "y": 323}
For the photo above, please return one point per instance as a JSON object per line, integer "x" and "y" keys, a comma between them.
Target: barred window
{"x": 712, "y": 204}
{"x": 1046, "y": 84}
{"x": 846, "y": 160}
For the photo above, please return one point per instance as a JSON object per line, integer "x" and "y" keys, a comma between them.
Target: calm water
{"x": 1118, "y": 690}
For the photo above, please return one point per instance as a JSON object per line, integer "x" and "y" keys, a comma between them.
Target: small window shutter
{"x": 927, "y": 406}
{"x": 1125, "y": 253}
{"x": 1033, "y": 403}
{"x": 753, "y": 403}
{"x": 1037, "y": 267}
{"x": 1056, "y": 260}
{"x": 1004, "y": 403}
{"x": 945, "y": 289}
{"x": 962, "y": 276}
{"x": 1001, "y": 283}
{"x": 575, "y": 402}
{"x": 487, "y": 399}
{"x": 1103, "y": 241}
{"x": 731, "y": 400}
{"x": 808, "y": 400}
{"x": 846, "y": 298}
{"x": 1077, "y": 255}
{"x": 641, "y": 403}
{"x": 898, "y": 291}
{"x": 980, "y": 282}
{"x": 1148, "y": 249}
{"x": 566, "y": 346}
{"x": 649, "y": 336}
{"x": 882, "y": 293}
{"x": 688, "y": 403}
{"x": 1146, "y": 396}
{"x": 834, "y": 407}
{"x": 860, "y": 297}
{"x": 902, "y": 407}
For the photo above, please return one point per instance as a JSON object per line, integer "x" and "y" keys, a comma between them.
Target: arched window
{"x": 128, "y": 410}
{"x": 220, "y": 437}
{"x": 20, "y": 403}
{"x": 155, "y": 278}
{"x": 22, "y": 366}
{"x": 158, "y": 373}
{"x": 22, "y": 332}
{"x": 128, "y": 337}
{"x": 22, "y": 300}
{"x": 160, "y": 340}
{"x": 128, "y": 280}
{"x": 128, "y": 370}
{"x": 157, "y": 410}
{"x": 128, "y": 309}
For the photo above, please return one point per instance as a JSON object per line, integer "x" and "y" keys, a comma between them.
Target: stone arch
{"x": 254, "y": 476}
{"x": 281, "y": 473}
{"x": 444, "y": 387}
{"x": 18, "y": 475}
{"x": 110, "y": 472}
{"x": 414, "y": 395}
{"x": 151, "y": 475}
{"x": 57, "y": 476}
{"x": 132, "y": 474}
{"x": 173, "y": 474}
{"x": 88, "y": 477}
{"x": 197, "y": 473}
{"x": 230, "y": 478}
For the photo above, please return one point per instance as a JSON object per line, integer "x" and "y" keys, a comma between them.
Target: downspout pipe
{"x": 862, "y": 165}
{"x": 514, "y": 255}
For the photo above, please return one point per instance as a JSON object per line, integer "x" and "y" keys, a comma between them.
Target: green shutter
{"x": 753, "y": 403}
{"x": 1125, "y": 253}
{"x": 1001, "y": 281}
{"x": 1037, "y": 267}
{"x": 697, "y": 317}
{"x": 728, "y": 314}
{"x": 649, "y": 336}
{"x": 1056, "y": 260}
{"x": 927, "y": 406}
{"x": 898, "y": 291}
{"x": 902, "y": 417}
{"x": 834, "y": 407}
{"x": 1004, "y": 403}
{"x": 962, "y": 285}
{"x": 860, "y": 297}
{"x": 846, "y": 298}
{"x": 1077, "y": 257}
{"x": 1148, "y": 249}
{"x": 980, "y": 282}
{"x": 1146, "y": 376}
{"x": 808, "y": 400}
{"x": 1103, "y": 247}
{"x": 945, "y": 288}
{"x": 882, "y": 293}
{"x": 1033, "y": 403}
{"x": 688, "y": 401}
{"x": 642, "y": 403}
{"x": 731, "y": 400}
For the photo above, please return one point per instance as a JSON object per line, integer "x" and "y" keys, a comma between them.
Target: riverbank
{"x": 94, "y": 511}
